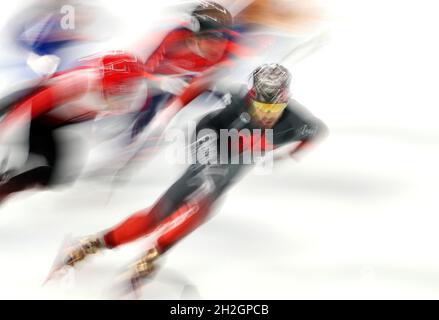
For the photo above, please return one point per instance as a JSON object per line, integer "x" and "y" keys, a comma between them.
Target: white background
{"x": 356, "y": 218}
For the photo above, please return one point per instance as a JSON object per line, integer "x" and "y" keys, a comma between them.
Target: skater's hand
{"x": 283, "y": 157}
{"x": 43, "y": 65}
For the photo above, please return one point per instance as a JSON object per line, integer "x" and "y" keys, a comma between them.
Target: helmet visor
{"x": 274, "y": 108}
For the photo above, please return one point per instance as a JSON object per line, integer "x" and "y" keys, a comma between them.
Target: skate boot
{"x": 70, "y": 254}
{"x": 143, "y": 268}
{"x": 86, "y": 247}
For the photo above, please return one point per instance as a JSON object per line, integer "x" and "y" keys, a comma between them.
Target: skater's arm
{"x": 157, "y": 57}
{"x": 305, "y": 129}
{"x": 320, "y": 132}
{"x": 198, "y": 86}
{"x": 203, "y": 82}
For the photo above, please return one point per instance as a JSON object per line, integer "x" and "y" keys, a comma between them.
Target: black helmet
{"x": 210, "y": 16}
{"x": 271, "y": 83}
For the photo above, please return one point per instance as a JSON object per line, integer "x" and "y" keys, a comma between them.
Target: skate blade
{"x": 58, "y": 265}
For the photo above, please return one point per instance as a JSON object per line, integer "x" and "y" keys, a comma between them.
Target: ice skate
{"x": 84, "y": 248}
{"x": 143, "y": 269}
{"x": 72, "y": 252}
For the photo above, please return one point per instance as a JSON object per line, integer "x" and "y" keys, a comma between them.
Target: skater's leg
{"x": 191, "y": 213}
{"x": 195, "y": 211}
{"x": 179, "y": 211}
{"x": 145, "y": 221}
{"x": 41, "y": 142}
{"x": 186, "y": 219}
{"x": 131, "y": 229}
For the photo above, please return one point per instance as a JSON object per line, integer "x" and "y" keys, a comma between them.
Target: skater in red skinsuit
{"x": 184, "y": 64}
{"x": 107, "y": 83}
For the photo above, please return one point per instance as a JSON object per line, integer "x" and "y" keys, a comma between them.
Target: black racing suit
{"x": 206, "y": 180}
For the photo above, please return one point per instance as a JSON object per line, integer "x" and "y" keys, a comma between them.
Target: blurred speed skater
{"x": 53, "y": 33}
{"x": 184, "y": 64}
{"x": 187, "y": 203}
{"x": 103, "y": 85}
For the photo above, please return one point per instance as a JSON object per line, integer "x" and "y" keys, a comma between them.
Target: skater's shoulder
{"x": 294, "y": 107}
{"x": 296, "y": 110}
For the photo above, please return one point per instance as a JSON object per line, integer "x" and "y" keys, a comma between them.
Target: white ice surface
{"x": 356, "y": 218}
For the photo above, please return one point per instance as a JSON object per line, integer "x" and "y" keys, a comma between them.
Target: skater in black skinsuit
{"x": 187, "y": 203}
